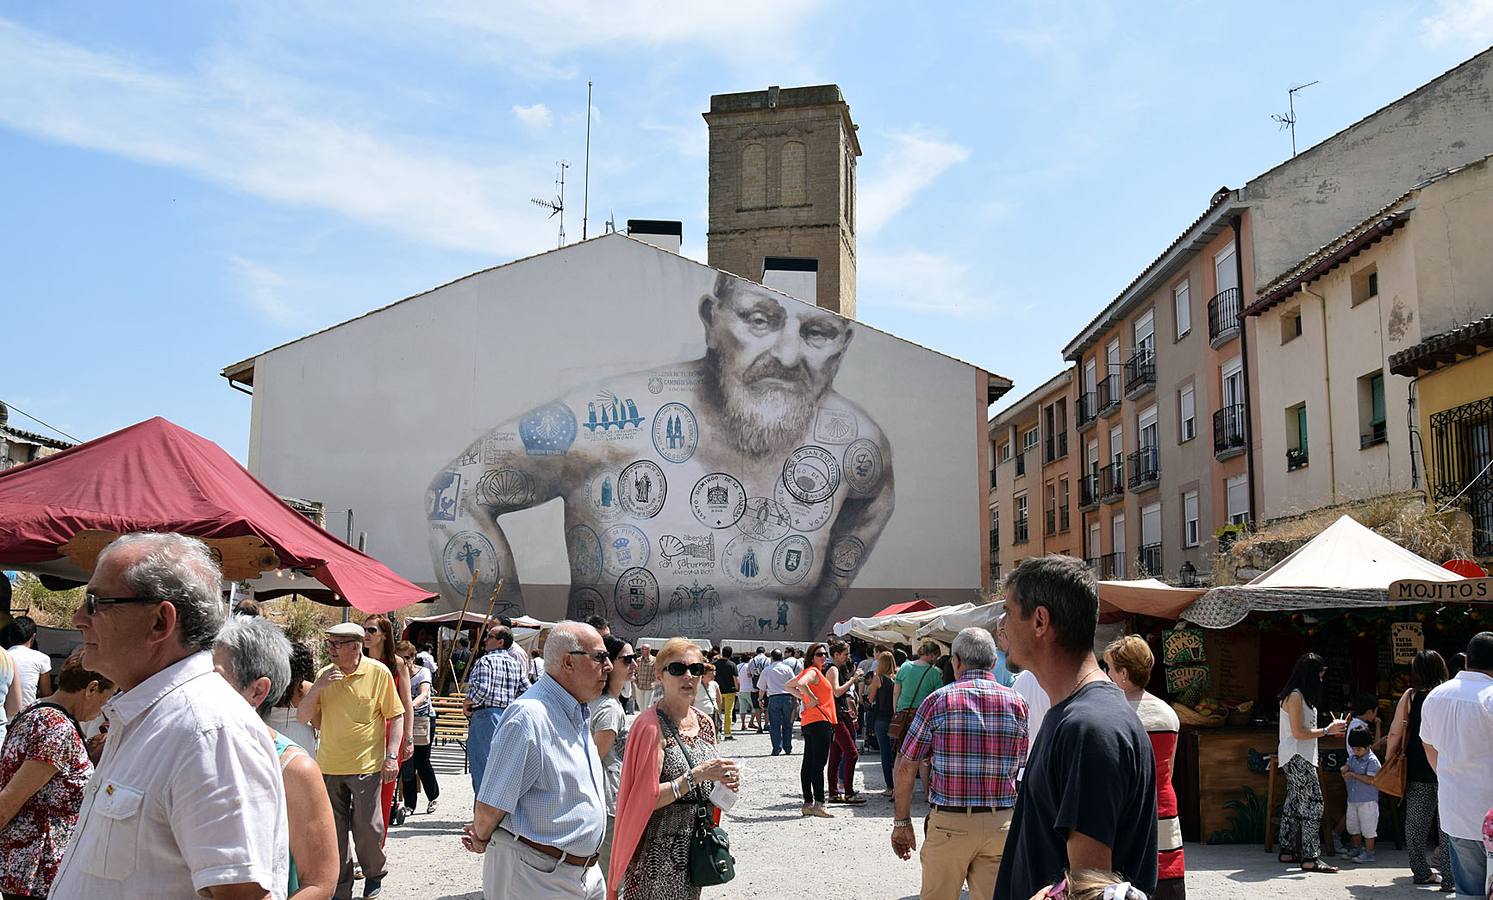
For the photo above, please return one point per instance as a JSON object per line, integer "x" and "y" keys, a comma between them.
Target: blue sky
{"x": 183, "y": 185}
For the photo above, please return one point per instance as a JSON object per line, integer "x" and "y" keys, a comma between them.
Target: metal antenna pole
{"x": 1289, "y": 119}
{"x": 563, "y": 167}
{"x": 586, "y": 189}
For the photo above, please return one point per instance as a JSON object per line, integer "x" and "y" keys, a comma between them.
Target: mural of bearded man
{"x": 741, "y": 476}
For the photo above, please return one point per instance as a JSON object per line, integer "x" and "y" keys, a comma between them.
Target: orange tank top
{"x": 824, "y": 710}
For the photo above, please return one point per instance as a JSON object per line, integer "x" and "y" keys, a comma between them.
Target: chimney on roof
{"x": 663, "y": 233}
{"x": 794, "y": 276}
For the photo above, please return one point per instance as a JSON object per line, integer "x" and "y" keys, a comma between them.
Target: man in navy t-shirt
{"x": 1088, "y": 799}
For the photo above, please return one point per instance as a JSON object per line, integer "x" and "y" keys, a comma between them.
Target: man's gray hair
{"x": 564, "y": 639}
{"x": 256, "y": 648}
{"x": 975, "y": 648}
{"x": 180, "y": 570}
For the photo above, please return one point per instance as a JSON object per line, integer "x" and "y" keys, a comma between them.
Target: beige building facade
{"x": 1033, "y": 479}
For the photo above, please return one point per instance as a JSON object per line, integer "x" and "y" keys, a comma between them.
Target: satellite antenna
{"x": 557, "y": 205}
{"x": 611, "y": 223}
{"x": 1289, "y": 119}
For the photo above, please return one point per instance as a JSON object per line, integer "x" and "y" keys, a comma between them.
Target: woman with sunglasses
{"x": 609, "y": 730}
{"x": 666, "y": 776}
{"x": 378, "y": 643}
{"x": 816, "y": 688}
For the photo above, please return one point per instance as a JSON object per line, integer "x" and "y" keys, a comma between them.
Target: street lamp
{"x": 1188, "y": 575}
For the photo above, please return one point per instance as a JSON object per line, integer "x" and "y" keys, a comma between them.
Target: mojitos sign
{"x": 1469, "y": 590}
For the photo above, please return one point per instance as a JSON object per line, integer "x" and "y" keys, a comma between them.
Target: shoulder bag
{"x": 903, "y": 717}
{"x": 710, "y": 861}
{"x": 1391, "y": 777}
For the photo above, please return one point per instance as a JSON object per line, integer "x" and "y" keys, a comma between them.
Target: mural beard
{"x": 761, "y": 416}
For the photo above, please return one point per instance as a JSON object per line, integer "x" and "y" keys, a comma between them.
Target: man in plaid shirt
{"x": 975, "y": 731}
{"x": 497, "y": 679}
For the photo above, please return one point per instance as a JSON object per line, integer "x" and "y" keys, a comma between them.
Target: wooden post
{"x": 450, "y": 647}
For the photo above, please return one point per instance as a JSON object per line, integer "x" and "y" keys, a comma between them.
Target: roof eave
{"x": 1307, "y": 272}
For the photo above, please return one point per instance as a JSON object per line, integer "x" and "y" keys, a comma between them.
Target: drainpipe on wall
{"x": 1249, "y": 438}
{"x": 1327, "y": 379}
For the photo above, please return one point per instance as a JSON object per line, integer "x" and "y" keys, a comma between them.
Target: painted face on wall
{"x": 768, "y": 363}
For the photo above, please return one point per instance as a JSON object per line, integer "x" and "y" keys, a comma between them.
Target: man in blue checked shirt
{"x": 540, "y": 814}
{"x": 497, "y": 679}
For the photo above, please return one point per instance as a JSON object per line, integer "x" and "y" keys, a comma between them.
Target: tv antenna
{"x": 586, "y": 179}
{"x": 557, "y": 205}
{"x": 1288, "y": 120}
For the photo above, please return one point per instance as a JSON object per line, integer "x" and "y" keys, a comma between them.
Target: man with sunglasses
{"x": 350, "y": 701}
{"x": 187, "y": 799}
{"x": 497, "y": 679}
{"x": 541, "y": 814}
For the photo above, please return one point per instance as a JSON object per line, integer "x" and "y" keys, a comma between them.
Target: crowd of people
{"x": 180, "y": 751}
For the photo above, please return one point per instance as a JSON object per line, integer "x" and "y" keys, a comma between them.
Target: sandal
{"x": 1289, "y": 859}
{"x": 1318, "y": 866}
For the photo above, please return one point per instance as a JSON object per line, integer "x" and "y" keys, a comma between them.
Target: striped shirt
{"x": 975, "y": 731}
{"x": 497, "y": 679}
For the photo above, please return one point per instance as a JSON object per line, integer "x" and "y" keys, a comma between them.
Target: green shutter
{"x": 1376, "y": 387}
{"x": 1301, "y": 427}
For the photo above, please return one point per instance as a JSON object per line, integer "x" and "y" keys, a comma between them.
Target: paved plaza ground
{"x": 782, "y": 856}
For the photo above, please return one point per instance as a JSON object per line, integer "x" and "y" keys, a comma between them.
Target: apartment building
{"x": 1033, "y": 481}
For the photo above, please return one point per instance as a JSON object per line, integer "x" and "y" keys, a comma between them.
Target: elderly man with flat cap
{"x": 356, "y": 705}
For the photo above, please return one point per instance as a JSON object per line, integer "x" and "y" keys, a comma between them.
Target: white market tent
{"x": 1345, "y": 566}
{"x": 946, "y": 626}
{"x": 895, "y": 629}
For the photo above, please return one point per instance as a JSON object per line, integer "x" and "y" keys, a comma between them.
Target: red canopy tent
{"x": 157, "y": 476}
{"x": 907, "y": 606}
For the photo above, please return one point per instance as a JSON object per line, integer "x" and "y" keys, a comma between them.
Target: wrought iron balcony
{"x": 1022, "y": 531}
{"x": 1378, "y": 434}
{"x": 1109, "y": 394}
{"x": 1150, "y": 559}
{"x": 1140, "y": 372}
{"x": 1088, "y": 491}
{"x": 1112, "y": 482}
{"x": 1459, "y": 474}
{"x": 1021, "y": 464}
{"x": 1093, "y": 563}
{"x": 1088, "y": 409}
{"x": 1296, "y": 458}
{"x": 1223, "y": 316}
{"x": 1145, "y": 468}
{"x": 1112, "y": 566}
{"x": 1052, "y": 522}
{"x": 1228, "y": 431}
{"x": 1057, "y": 446}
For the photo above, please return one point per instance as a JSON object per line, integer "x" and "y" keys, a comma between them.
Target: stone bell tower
{"x": 782, "y": 191}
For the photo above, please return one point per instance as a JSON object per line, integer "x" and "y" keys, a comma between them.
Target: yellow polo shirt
{"x": 353, "y": 716}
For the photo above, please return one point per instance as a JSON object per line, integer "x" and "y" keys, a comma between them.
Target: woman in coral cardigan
{"x": 661, "y": 786}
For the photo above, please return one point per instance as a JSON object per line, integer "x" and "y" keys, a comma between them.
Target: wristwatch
{"x": 901, "y": 823}
{"x": 394, "y": 756}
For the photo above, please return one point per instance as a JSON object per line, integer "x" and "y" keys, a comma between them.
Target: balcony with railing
{"x": 1088, "y": 491}
{"x": 1109, "y": 394}
{"x": 1228, "y": 431}
{"x": 1051, "y": 523}
{"x": 1112, "y": 566}
{"x": 1145, "y": 468}
{"x": 1088, "y": 409}
{"x": 1460, "y": 452}
{"x": 1223, "y": 316}
{"x": 1112, "y": 482}
{"x": 1140, "y": 373}
{"x": 1093, "y": 563}
{"x": 1378, "y": 434}
{"x": 1150, "y": 560}
{"x": 1296, "y": 458}
{"x": 1022, "y": 531}
{"x": 1057, "y": 446}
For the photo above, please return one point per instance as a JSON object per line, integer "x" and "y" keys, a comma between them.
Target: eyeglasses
{"x": 337, "y": 645}
{"x": 628, "y": 658}
{"x": 819, "y": 653}
{"x": 91, "y": 602}
{"x": 677, "y": 669}
{"x": 600, "y": 656}
{"x": 492, "y": 636}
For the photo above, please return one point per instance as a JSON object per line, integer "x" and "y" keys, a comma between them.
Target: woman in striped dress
{"x": 1130, "y": 662}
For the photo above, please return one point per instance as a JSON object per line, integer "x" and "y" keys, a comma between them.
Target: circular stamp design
{"x": 811, "y": 474}
{"x": 765, "y": 519}
{"x": 846, "y": 555}
{"x": 636, "y": 597}
{"x": 470, "y": 553}
{"x": 676, "y": 432}
{"x": 584, "y": 548}
{"x": 863, "y": 467}
{"x": 506, "y": 488}
{"x": 792, "y": 559}
{"x": 602, "y": 495}
{"x": 655, "y": 385}
{"x": 623, "y": 547}
{"x": 641, "y": 489}
{"x": 803, "y": 516}
{"x": 548, "y": 430}
{"x": 718, "y": 500}
{"x": 745, "y": 561}
{"x": 585, "y": 602}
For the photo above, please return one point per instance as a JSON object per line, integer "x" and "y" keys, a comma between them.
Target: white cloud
{"x": 1465, "y": 22}
{"x": 264, "y": 288}
{"x": 536, "y": 116}
{"x": 913, "y": 163}
{"x": 920, "y": 281}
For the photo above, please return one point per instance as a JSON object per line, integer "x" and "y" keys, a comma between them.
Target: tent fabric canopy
{"x": 907, "y": 606}
{"x": 1345, "y": 566}
{"x": 157, "y": 476}
{"x": 895, "y": 629}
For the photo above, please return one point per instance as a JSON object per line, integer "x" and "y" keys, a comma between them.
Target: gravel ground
{"x": 780, "y": 854}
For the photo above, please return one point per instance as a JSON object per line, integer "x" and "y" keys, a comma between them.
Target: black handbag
{"x": 710, "y": 860}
